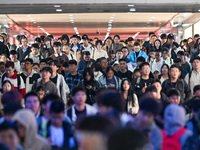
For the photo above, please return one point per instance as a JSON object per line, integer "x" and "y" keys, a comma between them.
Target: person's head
{"x": 55, "y": 65}
{"x": 98, "y": 44}
{"x": 174, "y": 72}
{"x": 126, "y": 85}
{"x": 140, "y": 60}
{"x": 119, "y": 54}
{"x": 110, "y": 72}
{"x": 38, "y": 41}
{"x": 57, "y": 112}
{"x": 157, "y": 44}
{"x": 108, "y": 41}
{"x": 164, "y": 69}
{"x": 153, "y": 38}
{"x": 156, "y": 82}
{"x": 2, "y": 67}
{"x": 157, "y": 54}
{"x": 116, "y": 66}
{"x": 46, "y": 73}
{"x": 163, "y": 38}
{"x": 152, "y": 52}
{"x": 85, "y": 39}
{"x": 72, "y": 65}
{"x": 40, "y": 91}
{"x": 4, "y": 58}
{"x": 43, "y": 63}
{"x": 136, "y": 73}
{"x": 151, "y": 91}
{"x": 96, "y": 68}
{"x": 165, "y": 53}
{"x": 42, "y": 37}
{"x": 79, "y": 95}
{"x": 66, "y": 67}
{"x": 116, "y": 39}
{"x": 22, "y": 65}
{"x": 130, "y": 41}
{"x": 5, "y": 36}
{"x": 66, "y": 48}
{"x": 136, "y": 47}
{"x": 18, "y": 40}
{"x": 109, "y": 100}
{"x": 86, "y": 56}
{"x": 195, "y": 107}
{"x": 156, "y": 73}
{"x": 13, "y": 55}
{"x": 196, "y": 90}
{"x": 196, "y": 63}
{"x": 65, "y": 39}
{"x": 103, "y": 63}
{"x": 74, "y": 39}
{"x": 32, "y": 102}
{"x": 36, "y": 67}
{"x": 9, "y": 134}
{"x": 170, "y": 38}
{"x": 35, "y": 48}
{"x": 174, "y": 96}
{"x": 7, "y": 86}
{"x": 10, "y": 68}
{"x": 124, "y": 51}
{"x": 88, "y": 74}
{"x": 57, "y": 47}
{"x": 122, "y": 64}
{"x": 28, "y": 63}
{"x": 12, "y": 96}
{"x": 151, "y": 33}
{"x": 180, "y": 54}
{"x": 145, "y": 68}
{"x": 24, "y": 41}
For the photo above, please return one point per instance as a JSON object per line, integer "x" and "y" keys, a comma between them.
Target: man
{"x": 6, "y": 43}
{"x": 116, "y": 45}
{"x": 190, "y": 45}
{"x": 87, "y": 46}
{"x": 174, "y": 96}
{"x": 135, "y": 54}
{"x": 147, "y": 43}
{"x": 84, "y": 62}
{"x": 163, "y": 38}
{"x": 104, "y": 64}
{"x": 24, "y": 50}
{"x": 13, "y": 57}
{"x": 14, "y": 78}
{"x": 29, "y": 76}
{"x": 179, "y": 84}
{"x": 152, "y": 40}
{"x": 196, "y": 90}
{"x": 99, "y": 52}
{"x": 193, "y": 77}
{"x": 73, "y": 77}
{"x": 130, "y": 44}
{"x": 58, "y": 55}
{"x": 123, "y": 73}
{"x": 119, "y": 55}
{"x": 157, "y": 62}
{"x": 170, "y": 39}
{"x": 66, "y": 51}
{"x": 47, "y": 50}
{"x": 43, "y": 63}
{"x": 48, "y": 85}
{"x": 32, "y": 102}
{"x": 35, "y": 55}
{"x": 18, "y": 41}
{"x": 80, "y": 108}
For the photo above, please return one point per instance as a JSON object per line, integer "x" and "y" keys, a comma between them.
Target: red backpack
{"x": 171, "y": 142}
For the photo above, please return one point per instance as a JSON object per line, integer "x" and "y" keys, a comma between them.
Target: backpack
{"x": 18, "y": 79}
{"x": 171, "y": 142}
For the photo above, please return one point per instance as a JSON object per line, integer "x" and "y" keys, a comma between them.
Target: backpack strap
{"x": 71, "y": 56}
{"x": 190, "y": 74}
{"x": 182, "y": 80}
{"x": 138, "y": 80}
{"x": 180, "y": 132}
{"x": 18, "y": 81}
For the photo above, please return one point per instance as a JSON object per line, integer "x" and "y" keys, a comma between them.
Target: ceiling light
{"x": 70, "y": 15}
{"x": 28, "y": 15}
{"x": 130, "y": 5}
{"x": 199, "y": 10}
{"x": 38, "y": 26}
{"x": 113, "y": 14}
{"x": 34, "y": 22}
{"x": 112, "y": 17}
{"x": 150, "y": 20}
{"x": 132, "y": 9}
{"x": 57, "y": 6}
{"x": 108, "y": 30}
{"x": 110, "y": 20}
{"x": 58, "y": 10}
{"x": 152, "y": 17}
{"x": 72, "y": 22}
{"x": 110, "y": 25}
{"x": 75, "y": 28}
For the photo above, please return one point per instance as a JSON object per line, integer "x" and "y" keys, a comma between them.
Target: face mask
{"x": 96, "y": 73}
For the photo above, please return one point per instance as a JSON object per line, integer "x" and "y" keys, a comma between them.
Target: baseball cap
{"x": 170, "y": 36}
{"x": 130, "y": 39}
{"x": 85, "y": 37}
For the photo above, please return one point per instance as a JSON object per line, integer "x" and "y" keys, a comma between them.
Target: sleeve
{"x": 79, "y": 68}
{"x": 22, "y": 87}
{"x": 136, "y": 105}
{"x": 186, "y": 78}
{"x": 106, "y": 54}
{"x": 187, "y": 91}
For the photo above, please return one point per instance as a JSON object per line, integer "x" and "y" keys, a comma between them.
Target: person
{"x": 193, "y": 77}
{"x": 174, "y": 96}
{"x": 59, "y": 132}
{"x": 174, "y": 133}
{"x": 40, "y": 91}
{"x": 130, "y": 44}
{"x": 73, "y": 77}
{"x": 87, "y": 46}
{"x": 104, "y": 64}
{"x": 59, "y": 81}
{"x": 192, "y": 44}
{"x": 3, "y": 58}
{"x": 64, "y": 40}
{"x": 47, "y": 50}
{"x": 32, "y": 102}
{"x": 90, "y": 85}
{"x": 3, "y": 48}
{"x": 46, "y": 82}
{"x": 146, "y": 43}
{"x": 2, "y": 68}
{"x": 34, "y": 55}
{"x": 76, "y": 49}
{"x": 164, "y": 73}
{"x": 179, "y": 84}
{"x": 131, "y": 101}
{"x": 170, "y": 40}
{"x": 29, "y": 76}
{"x": 18, "y": 41}
{"x": 84, "y": 62}
{"x": 144, "y": 121}
{"x": 5, "y": 37}
{"x": 43, "y": 63}
{"x": 157, "y": 45}
{"x": 99, "y": 52}
{"x": 135, "y": 54}
{"x": 123, "y": 73}
{"x": 66, "y": 51}
{"x": 140, "y": 84}
{"x": 152, "y": 40}
{"x": 108, "y": 44}
{"x": 157, "y": 62}
{"x": 13, "y": 58}
{"x": 14, "y": 78}
{"x": 111, "y": 56}
{"x": 163, "y": 38}
{"x": 125, "y": 53}
{"x": 24, "y": 50}
{"x": 165, "y": 56}
{"x": 109, "y": 79}
{"x": 27, "y": 125}
{"x": 196, "y": 90}
{"x": 96, "y": 70}
{"x": 119, "y": 55}
{"x": 36, "y": 67}
{"x": 116, "y": 44}
{"x": 136, "y": 73}
{"x": 9, "y": 135}
{"x": 58, "y": 55}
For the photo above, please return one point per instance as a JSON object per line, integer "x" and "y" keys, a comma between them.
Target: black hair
{"x": 35, "y": 45}
{"x": 2, "y": 63}
{"x": 56, "y": 44}
{"x": 57, "y": 107}
{"x": 110, "y": 68}
{"x": 163, "y": 66}
{"x": 13, "y": 52}
{"x": 163, "y": 36}
{"x": 196, "y": 88}
{"x": 174, "y": 66}
{"x": 18, "y": 37}
{"x": 122, "y": 59}
{"x": 151, "y": 88}
{"x": 12, "y": 108}
{"x": 65, "y": 36}
{"x": 40, "y": 88}
{"x": 124, "y": 47}
{"x": 150, "y": 33}
{"x": 29, "y": 60}
{"x": 102, "y": 58}
{"x": 66, "y": 64}
{"x": 30, "y": 94}
{"x": 85, "y": 71}
{"x": 22, "y": 62}
{"x": 180, "y": 53}
{"x": 72, "y": 62}
{"x": 36, "y": 64}
{"x": 196, "y": 104}
{"x": 150, "y": 105}
{"x": 165, "y": 49}
{"x": 155, "y": 80}
{"x": 23, "y": 37}
{"x": 74, "y": 36}
{"x": 48, "y": 59}
{"x": 37, "y": 39}
{"x": 10, "y": 64}
{"x": 119, "y": 50}
{"x": 141, "y": 59}
{"x": 50, "y": 97}
{"x": 42, "y": 37}
{"x": 196, "y": 58}
{"x": 86, "y": 53}
{"x": 96, "y": 66}
{"x": 143, "y": 64}
{"x": 6, "y": 125}
{"x": 136, "y": 44}
{"x": 55, "y": 62}
{"x": 173, "y": 92}
{"x": 98, "y": 41}
{"x": 117, "y": 36}
{"x": 160, "y": 47}
{"x": 136, "y": 70}
{"x": 43, "y": 60}
{"x": 47, "y": 69}
{"x": 77, "y": 89}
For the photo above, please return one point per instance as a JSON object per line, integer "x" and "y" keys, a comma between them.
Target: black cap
{"x": 177, "y": 60}
{"x": 170, "y": 36}
{"x": 85, "y": 37}
{"x": 130, "y": 39}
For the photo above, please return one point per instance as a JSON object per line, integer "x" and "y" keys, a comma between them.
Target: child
{"x": 35, "y": 55}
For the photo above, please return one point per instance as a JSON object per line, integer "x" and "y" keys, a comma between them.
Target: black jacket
{"x": 4, "y": 50}
{"x": 21, "y": 55}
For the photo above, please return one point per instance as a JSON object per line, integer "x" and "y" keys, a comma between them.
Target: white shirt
{"x": 17, "y": 66}
{"x": 89, "y": 48}
{"x": 75, "y": 49}
{"x": 71, "y": 56}
{"x": 57, "y": 136}
{"x": 167, "y": 61}
{"x": 99, "y": 53}
{"x": 156, "y": 65}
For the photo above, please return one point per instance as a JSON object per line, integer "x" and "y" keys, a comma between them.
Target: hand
{"x": 143, "y": 89}
{"x": 134, "y": 64}
{"x": 89, "y": 87}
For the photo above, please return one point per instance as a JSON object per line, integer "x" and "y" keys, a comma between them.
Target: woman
{"x": 109, "y": 79}
{"x": 3, "y": 58}
{"x": 131, "y": 100}
{"x": 3, "y": 48}
{"x": 96, "y": 68}
{"x": 90, "y": 84}
{"x": 111, "y": 56}
{"x": 157, "y": 45}
{"x": 164, "y": 73}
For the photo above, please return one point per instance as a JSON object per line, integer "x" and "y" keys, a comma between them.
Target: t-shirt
{"x": 54, "y": 80}
{"x": 174, "y": 84}
{"x": 111, "y": 82}
{"x": 80, "y": 113}
{"x": 126, "y": 75}
{"x": 55, "y": 133}
{"x": 73, "y": 76}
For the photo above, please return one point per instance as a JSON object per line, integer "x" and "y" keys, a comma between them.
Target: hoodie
{"x": 32, "y": 140}
{"x": 174, "y": 117}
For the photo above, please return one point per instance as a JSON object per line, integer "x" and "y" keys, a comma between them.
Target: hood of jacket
{"x": 174, "y": 117}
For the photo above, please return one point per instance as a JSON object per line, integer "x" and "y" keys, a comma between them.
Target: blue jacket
{"x": 82, "y": 65}
{"x": 132, "y": 56}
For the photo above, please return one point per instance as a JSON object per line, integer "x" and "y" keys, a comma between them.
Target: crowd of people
{"x": 76, "y": 93}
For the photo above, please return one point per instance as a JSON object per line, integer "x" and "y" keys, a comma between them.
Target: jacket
{"x": 82, "y": 65}
{"x": 102, "y": 81}
{"x": 32, "y": 140}
{"x": 60, "y": 57}
{"x": 133, "y": 108}
{"x": 78, "y": 51}
{"x": 46, "y": 52}
{"x": 181, "y": 85}
{"x": 133, "y": 58}
{"x": 36, "y": 58}
{"x": 22, "y": 55}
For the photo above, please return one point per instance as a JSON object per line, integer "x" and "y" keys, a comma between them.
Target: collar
{"x": 58, "y": 55}
{"x": 14, "y": 76}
